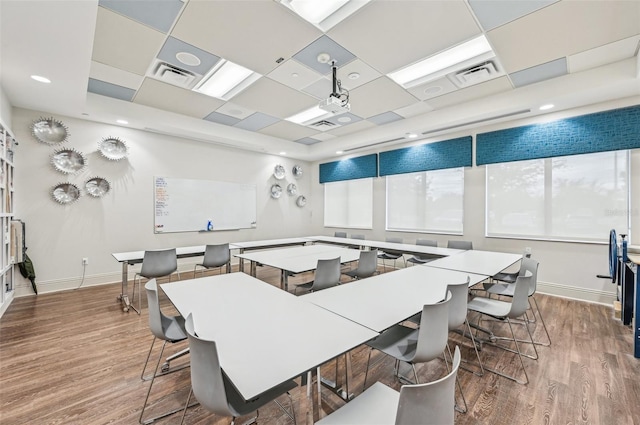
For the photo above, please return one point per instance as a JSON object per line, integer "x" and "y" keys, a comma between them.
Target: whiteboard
{"x": 184, "y": 205}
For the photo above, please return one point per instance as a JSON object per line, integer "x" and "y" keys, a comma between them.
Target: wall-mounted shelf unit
{"x": 7, "y": 255}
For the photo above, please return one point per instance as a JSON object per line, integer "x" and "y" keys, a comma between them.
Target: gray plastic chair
{"x": 421, "y": 259}
{"x": 327, "y": 274}
{"x": 215, "y": 256}
{"x": 168, "y": 329}
{"x": 340, "y": 234}
{"x": 466, "y": 245}
{"x": 361, "y": 237}
{"x": 390, "y": 254}
{"x": 431, "y": 403}
{"x": 367, "y": 265}
{"x": 506, "y": 290}
{"x": 506, "y": 311}
{"x": 415, "y": 345}
{"x": 212, "y": 388}
{"x": 155, "y": 264}
{"x": 507, "y": 277}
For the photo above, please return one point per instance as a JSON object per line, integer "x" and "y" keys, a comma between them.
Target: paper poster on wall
{"x": 186, "y": 205}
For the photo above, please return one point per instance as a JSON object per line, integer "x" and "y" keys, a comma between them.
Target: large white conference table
{"x": 481, "y": 262}
{"x": 382, "y": 301}
{"x": 405, "y": 248}
{"x": 265, "y": 336}
{"x": 297, "y": 259}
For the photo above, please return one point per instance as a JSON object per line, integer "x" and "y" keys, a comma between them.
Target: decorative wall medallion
{"x": 279, "y": 172}
{"x": 68, "y": 161}
{"x": 301, "y": 201}
{"x": 65, "y": 193}
{"x": 49, "y": 131}
{"x": 297, "y": 171}
{"x": 113, "y": 148}
{"x": 276, "y": 191}
{"x": 97, "y": 187}
{"x": 292, "y": 189}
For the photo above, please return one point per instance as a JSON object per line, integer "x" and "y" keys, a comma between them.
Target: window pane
{"x": 349, "y": 204}
{"x": 430, "y": 201}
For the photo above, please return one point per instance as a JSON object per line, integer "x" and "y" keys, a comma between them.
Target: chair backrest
{"x": 206, "y": 374}
{"x": 394, "y": 240}
{"x": 519, "y": 302}
{"x": 458, "y": 304}
{"x": 431, "y": 403}
{"x": 367, "y": 263}
{"x": 434, "y": 330}
{"x": 216, "y": 255}
{"x": 426, "y": 242}
{"x": 327, "y": 274}
{"x": 460, "y": 245}
{"x": 530, "y": 265}
{"x": 357, "y": 237}
{"x": 158, "y": 322}
{"x": 340, "y": 234}
{"x": 159, "y": 263}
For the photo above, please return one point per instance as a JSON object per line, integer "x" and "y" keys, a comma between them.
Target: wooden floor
{"x": 75, "y": 358}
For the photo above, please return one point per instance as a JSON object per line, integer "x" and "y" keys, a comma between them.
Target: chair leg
{"x": 186, "y": 405}
{"x": 475, "y": 347}
{"x": 133, "y": 295}
{"x": 364, "y": 385}
{"x": 147, "y": 361}
{"x": 464, "y": 401}
{"x": 517, "y": 350}
{"x": 544, "y": 326}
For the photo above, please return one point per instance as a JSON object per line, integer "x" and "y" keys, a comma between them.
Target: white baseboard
{"x": 577, "y": 293}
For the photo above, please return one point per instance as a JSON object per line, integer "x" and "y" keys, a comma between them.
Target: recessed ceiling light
{"x": 122, "y": 121}
{"x": 323, "y": 57}
{"x": 344, "y": 119}
{"x": 414, "y": 74}
{"x": 432, "y": 90}
{"x": 354, "y": 75}
{"x": 339, "y": 152}
{"x": 41, "y": 79}
{"x": 411, "y": 135}
{"x": 188, "y": 58}
{"x": 547, "y": 106}
{"x": 295, "y": 75}
{"x": 324, "y": 14}
{"x": 226, "y": 80}
{"x": 283, "y": 153}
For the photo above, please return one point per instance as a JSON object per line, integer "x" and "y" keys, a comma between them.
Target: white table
{"x": 481, "y": 262}
{"x": 298, "y": 259}
{"x": 389, "y": 246}
{"x": 265, "y": 244}
{"x": 381, "y": 301}
{"x": 265, "y": 336}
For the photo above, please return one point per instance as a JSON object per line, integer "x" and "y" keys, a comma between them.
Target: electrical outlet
{"x": 85, "y": 261}
{"x": 528, "y": 250}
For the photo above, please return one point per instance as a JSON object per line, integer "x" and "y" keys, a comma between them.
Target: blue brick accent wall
{"x": 349, "y": 169}
{"x": 617, "y": 129}
{"x": 431, "y": 156}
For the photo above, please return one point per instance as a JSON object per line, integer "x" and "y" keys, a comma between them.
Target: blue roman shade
{"x": 451, "y": 153}
{"x": 349, "y": 169}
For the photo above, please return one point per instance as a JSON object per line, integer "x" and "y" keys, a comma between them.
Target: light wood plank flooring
{"x": 75, "y": 358}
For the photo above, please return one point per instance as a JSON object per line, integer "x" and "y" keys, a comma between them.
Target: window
{"x": 349, "y": 204}
{"x": 428, "y": 201}
{"x": 574, "y": 198}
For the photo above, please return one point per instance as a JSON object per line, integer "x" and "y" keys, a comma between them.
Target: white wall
{"x": 58, "y": 236}
{"x": 566, "y": 269}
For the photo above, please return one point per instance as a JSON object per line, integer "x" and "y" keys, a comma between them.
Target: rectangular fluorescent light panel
{"x": 324, "y": 14}
{"x": 416, "y": 73}
{"x": 226, "y": 80}
{"x": 307, "y": 115}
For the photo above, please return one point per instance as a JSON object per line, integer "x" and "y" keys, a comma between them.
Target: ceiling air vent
{"x": 476, "y": 74}
{"x": 323, "y": 125}
{"x": 174, "y": 75}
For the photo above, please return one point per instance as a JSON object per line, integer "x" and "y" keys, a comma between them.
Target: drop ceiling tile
{"x": 102, "y": 72}
{"x": 389, "y": 35}
{"x": 307, "y": 141}
{"x": 538, "y": 73}
{"x": 253, "y": 34}
{"x": 385, "y": 118}
{"x": 349, "y": 129}
{"x": 378, "y": 96}
{"x": 256, "y": 122}
{"x": 497, "y": 85}
{"x": 165, "y": 96}
{"x": 493, "y": 13}
{"x": 310, "y": 55}
{"x": 125, "y": 44}
{"x": 414, "y": 109}
{"x": 344, "y": 119}
{"x": 173, "y": 46}
{"x": 293, "y": 74}
{"x": 111, "y": 90}
{"x": 550, "y": 33}
{"x": 323, "y": 137}
{"x": 235, "y": 110}
{"x": 364, "y": 74}
{"x": 433, "y": 89}
{"x": 221, "y": 119}
{"x": 321, "y": 89}
{"x": 158, "y": 14}
{"x": 609, "y": 53}
{"x": 288, "y": 131}
{"x": 274, "y": 99}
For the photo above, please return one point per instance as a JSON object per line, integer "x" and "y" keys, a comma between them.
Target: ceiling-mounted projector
{"x": 334, "y": 105}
